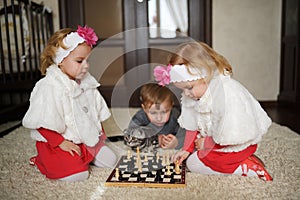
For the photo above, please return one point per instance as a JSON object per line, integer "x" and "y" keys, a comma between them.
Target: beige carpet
{"x": 279, "y": 149}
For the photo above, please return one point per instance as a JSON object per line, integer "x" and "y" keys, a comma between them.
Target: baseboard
{"x": 9, "y": 129}
{"x": 13, "y": 113}
{"x": 269, "y": 104}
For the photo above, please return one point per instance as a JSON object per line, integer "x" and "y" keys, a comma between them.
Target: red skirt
{"x": 55, "y": 163}
{"x": 224, "y": 162}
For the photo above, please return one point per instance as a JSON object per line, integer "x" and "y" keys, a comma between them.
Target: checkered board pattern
{"x": 151, "y": 174}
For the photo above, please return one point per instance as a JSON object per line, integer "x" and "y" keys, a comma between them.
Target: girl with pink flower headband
{"x": 222, "y": 119}
{"x": 66, "y": 110}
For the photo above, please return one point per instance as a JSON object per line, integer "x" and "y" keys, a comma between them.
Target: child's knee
{"x": 105, "y": 158}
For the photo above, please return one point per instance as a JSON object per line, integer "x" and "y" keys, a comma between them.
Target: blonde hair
{"x": 49, "y": 52}
{"x": 153, "y": 93}
{"x": 199, "y": 55}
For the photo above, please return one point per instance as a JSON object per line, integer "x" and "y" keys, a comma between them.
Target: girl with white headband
{"x": 223, "y": 120}
{"x": 66, "y": 110}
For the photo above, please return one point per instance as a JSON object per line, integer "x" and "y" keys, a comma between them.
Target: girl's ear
{"x": 143, "y": 106}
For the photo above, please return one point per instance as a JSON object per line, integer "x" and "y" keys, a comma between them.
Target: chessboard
{"x": 144, "y": 170}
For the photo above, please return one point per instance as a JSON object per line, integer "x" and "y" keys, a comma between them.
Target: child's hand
{"x": 84, "y": 68}
{"x": 180, "y": 156}
{"x": 167, "y": 141}
{"x": 70, "y": 147}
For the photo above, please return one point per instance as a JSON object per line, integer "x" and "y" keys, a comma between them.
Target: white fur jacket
{"x": 71, "y": 109}
{"x": 228, "y": 113}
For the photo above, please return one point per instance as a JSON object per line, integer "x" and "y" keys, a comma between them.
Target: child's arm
{"x": 57, "y": 140}
{"x": 189, "y": 141}
{"x": 52, "y": 137}
{"x": 202, "y": 143}
{"x": 188, "y": 147}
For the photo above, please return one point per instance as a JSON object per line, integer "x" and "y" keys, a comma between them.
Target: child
{"x": 66, "y": 110}
{"x": 222, "y": 119}
{"x": 158, "y": 114}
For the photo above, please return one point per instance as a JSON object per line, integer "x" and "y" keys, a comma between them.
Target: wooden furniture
{"x": 24, "y": 31}
{"x": 290, "y": 54}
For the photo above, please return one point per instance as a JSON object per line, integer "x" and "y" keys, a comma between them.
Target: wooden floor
{"x": 284, "y": 115}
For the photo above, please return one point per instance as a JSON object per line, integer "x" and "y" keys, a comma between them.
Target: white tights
{"x": 196, "y": 166}
{"x": 76, "y": 177}
{"x": 104, "y": 158}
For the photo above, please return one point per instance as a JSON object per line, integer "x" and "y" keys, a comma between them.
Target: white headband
{"x": 179, "y": 73}
{"x": 71, "y": 41}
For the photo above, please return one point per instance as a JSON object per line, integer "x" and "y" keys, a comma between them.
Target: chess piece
{"x": 177, "y": 168}
{"x": 168, "y": 172}
{"x": 138, "y": 155}
{"x": 167, "y": 159}
{"x": 158, "y": 176}
{"x": 157, "y": 156}
{"x": 137, "y": 161}
{"x": 163, "y": 161}
{"x": 128, "y": 154}
{"x": 140, "y": 167}
{"x": 117, "y": 174}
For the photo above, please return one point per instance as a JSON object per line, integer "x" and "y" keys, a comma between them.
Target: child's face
{"x": 72, "y": 65}
{"x": 159, "y": 114}
{"x": 193, "y": 89}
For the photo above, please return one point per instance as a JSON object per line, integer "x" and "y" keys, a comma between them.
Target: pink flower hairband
{"x": 73, "y": 39}
{"x": 177, "y": 73}
{"x": 162, "y": 74}
{"x": 87, "y": 34}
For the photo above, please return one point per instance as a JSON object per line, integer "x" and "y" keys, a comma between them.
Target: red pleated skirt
{"x": 55, "y": 163}
{"x": 224, "y": 162}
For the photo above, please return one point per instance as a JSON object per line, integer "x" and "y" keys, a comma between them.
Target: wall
{"x": 247, "y": 33}
{"x": 112, "y": 10}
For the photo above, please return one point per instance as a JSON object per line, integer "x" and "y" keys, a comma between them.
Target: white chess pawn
{"x": 167, "y": 159}
{"x": 163, "y": 161}
{"x": 138, "y": 155}
{"x": 140, "y": 166}
{"x": 128, "y": 154}
{"x": 117, "y": 174}
{"x": 168, "y": 172}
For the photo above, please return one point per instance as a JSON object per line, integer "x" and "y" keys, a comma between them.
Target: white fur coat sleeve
{"x": 46, "y": 108}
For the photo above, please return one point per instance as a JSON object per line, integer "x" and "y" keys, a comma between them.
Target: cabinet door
{"x": 290, "y": 54}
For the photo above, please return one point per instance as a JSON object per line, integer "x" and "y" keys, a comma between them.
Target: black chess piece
{"x": 158, "y": 177}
